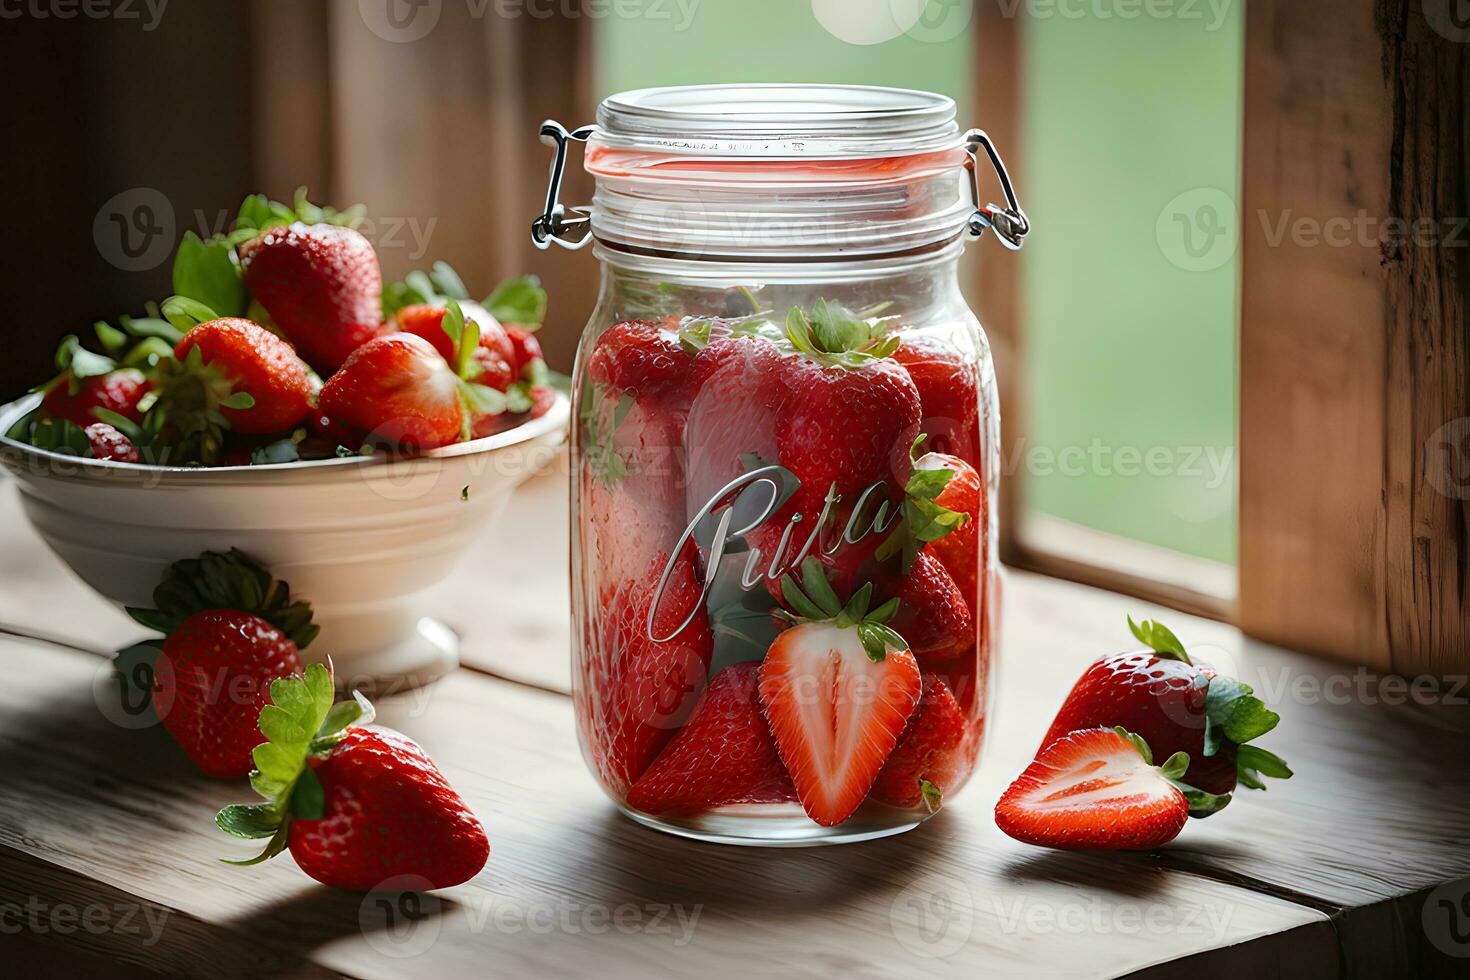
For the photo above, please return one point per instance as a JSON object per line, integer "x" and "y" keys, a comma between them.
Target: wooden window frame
{"x": 1354, "y": 361}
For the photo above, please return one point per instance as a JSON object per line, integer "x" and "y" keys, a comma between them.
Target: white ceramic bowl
{"x": 360, "y": 538}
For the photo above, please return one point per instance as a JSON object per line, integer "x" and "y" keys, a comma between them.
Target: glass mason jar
{"x": 784, "y": 459}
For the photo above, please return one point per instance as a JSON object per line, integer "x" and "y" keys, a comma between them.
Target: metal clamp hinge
{"x": 555, "y": 225}
{"x": 1010, "y": 223}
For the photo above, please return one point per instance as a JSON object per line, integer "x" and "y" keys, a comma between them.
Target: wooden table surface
{"x": 108, "y": 853}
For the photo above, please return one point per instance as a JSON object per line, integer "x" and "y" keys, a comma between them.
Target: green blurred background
{"x": 1132, "y": 132}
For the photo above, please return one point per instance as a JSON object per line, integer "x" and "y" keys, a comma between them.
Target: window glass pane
{"x": 1132, "y": 146}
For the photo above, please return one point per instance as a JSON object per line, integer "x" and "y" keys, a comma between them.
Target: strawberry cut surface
{"x": 724, "y": 755}
{"x": 835, "y": 713}
{"x": 1092, "y": 789}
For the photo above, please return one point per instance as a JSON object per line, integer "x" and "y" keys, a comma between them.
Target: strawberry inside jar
{"x": 785, "y": 458}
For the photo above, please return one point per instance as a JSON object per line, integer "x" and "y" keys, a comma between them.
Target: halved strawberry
{"x": 1177, "y": 706}
{"x": 838, "y": 688}
{"x": 1097, "y": 788}
{"x": 723, "y": 755}
{"x": 929, "y": 759}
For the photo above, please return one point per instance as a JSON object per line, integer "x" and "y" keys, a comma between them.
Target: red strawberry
{"x": 108, "y": 443}
{"x": 1096, "y": 789}
{"x": 357, "y": 806}
{"x": 211, "y": 681}
{"x": 334, "y": 433}
{"x": 73, "y": 399}
{"x": 838, "y": 689}
{"x": 723, "y": 755}
{"x": 929, "y": 759}
{"x": 850, "y": 407}
{"x": 252, "y": 360}
{"x": 492, "y": 354}
{"x": 399, "y": 390}
{"x": 388, "y": 811}
{"x": 230, "y": 630}
{"x": 949, "y": 390}
{"x": 640, "y": 688}
{"x": 321, "y": 285}
{"x": 962, "y": 550}
{"x": 524, "y": 346}
{"x": 1171, "y": 702}
{"x": 933, "y": 614}
{"x": 640, "y": 358}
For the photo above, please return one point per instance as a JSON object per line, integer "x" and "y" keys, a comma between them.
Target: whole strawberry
{"x": 638, "y": 357}
{"x": 929, "y": 759}
{"x": 230, "y": 630}
{"x": 723, "y": 755}
{"x": 74, "y": 399}
{"x": 355, "y": 805}
{"x": 110, "y": 444}
{"x": 212, "y": 679}
{"x": 321, "y": 285}
{"x": 949, "y": 392}
{"x": 1176, "y": 705}
{"x": 248, "y": 358}
{"x": 851, "y": 409}
{"x": 427, "y": 321}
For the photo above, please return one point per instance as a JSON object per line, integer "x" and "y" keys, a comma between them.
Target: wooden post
{"x": 1355, "y": 444}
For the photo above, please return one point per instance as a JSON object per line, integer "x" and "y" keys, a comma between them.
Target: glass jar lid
{"x": 826, "y": 122}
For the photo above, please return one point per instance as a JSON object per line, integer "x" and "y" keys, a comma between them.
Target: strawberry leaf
{"x": 818, "y": 588}
{"x": 251, "y": 821}
{"x": 931, "y": 795}
{"x": 448, "y": 281}
{"x": 1201, "y": 804}
{"x": 520, "y": 300}
{"x": 231, "y": 580}
{"x": 1137, "y": 742}
{"x": 208, "y": 272}
{"x": 1159, "y": 638}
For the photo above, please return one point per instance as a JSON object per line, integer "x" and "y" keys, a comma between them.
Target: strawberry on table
{"x": 321, "y": 285}
{"x": 723, "y": 755}
{"x": 355, "y": 805}
{"x": 1176, "y": 705}
{"x": 1098, "y": 789}
{"x": 929, "y": 760}
{"x": 230, "y": 630}
{"x": 838, "y": 687}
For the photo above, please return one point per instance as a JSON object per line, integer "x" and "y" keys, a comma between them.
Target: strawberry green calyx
{"x": 698, "y": 332}
{"x": 814, "y": 601}
{"x": 834, "y": 336}
{"x": 231, "y": 580}
{"x": 1233, "y": 714}
{"x": 1201, "y": 804}
{"x": 599, "y": 423}
{"x": 185, "y": 413}
{"x": 924, "y": 519}
{"x": 301, "y": 723}
{"x": 476, "y": 399}
{"x": 259, "y": 213}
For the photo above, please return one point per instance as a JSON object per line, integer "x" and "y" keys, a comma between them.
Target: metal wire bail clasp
{"x": 554, "y": 225}
{"x": 1010, "y": 223}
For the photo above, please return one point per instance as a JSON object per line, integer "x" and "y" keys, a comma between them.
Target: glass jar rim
{"x": 779, "y": 120}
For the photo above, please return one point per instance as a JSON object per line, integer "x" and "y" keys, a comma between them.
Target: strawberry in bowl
{"x": 277, "y": 403}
